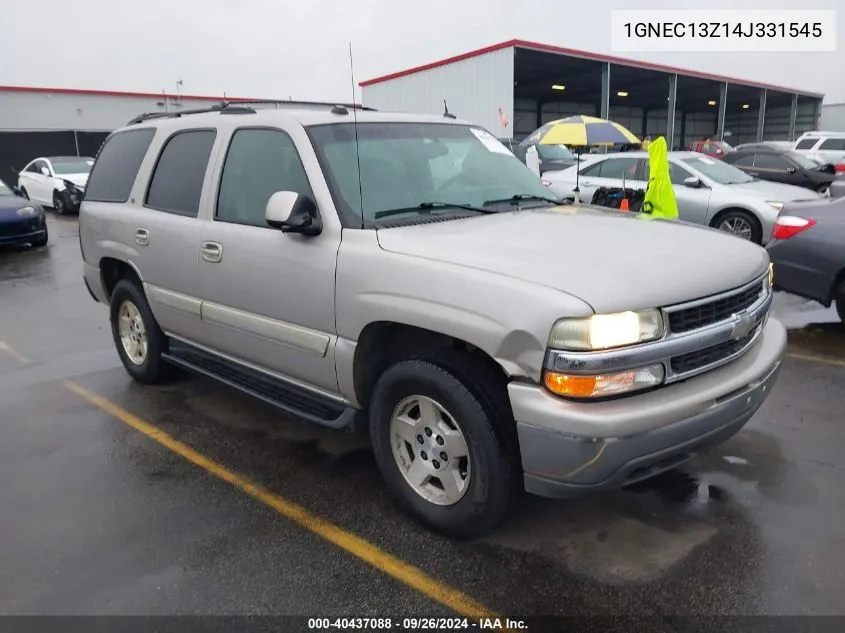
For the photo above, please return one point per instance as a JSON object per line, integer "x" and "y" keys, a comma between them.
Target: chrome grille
{"x": 712, "y": 312}
{"x": 686, "y": 363}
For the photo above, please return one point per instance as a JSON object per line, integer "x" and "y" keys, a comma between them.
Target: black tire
{"x": 154, "y": 369}
{"x": 40, "y": 242}
{"x": 823, "y": 189}
{"x": 495, "y": 467}
{"x": 24, "y": 193}
{"x": 753, "y": 223}
{"x": 59, "y": 205}
{"x": 839, "y": 300}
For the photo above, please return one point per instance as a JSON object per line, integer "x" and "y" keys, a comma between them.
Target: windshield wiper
{"x": 427, "y": 206}
{"x": 521, "y": 197}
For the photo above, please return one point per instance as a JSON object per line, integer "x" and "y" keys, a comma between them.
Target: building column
{"x": 817, "y": 124}
{"x": 793, "y": 116}
{"x": 644, "y": 128}
{"x": 761, "y": 115}
{"x": 683, "y": 128}
{"x": 723, "y": 109}
{"x": 539, "y": 120}
{"x": 670, "y": 115}
{"x": 604, "y": 111}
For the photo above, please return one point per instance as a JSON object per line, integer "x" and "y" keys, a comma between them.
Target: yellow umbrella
{"x": 583, "y": 131}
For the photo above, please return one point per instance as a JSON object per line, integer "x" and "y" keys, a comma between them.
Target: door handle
{"x": 587, "y": 182}
{"x": 142, "y": 237}
{"x": 212, "y": 252}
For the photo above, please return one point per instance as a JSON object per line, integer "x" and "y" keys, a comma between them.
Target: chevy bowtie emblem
{"x": 743, "y": 327}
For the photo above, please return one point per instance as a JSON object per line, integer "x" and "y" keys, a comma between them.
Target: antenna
{"x": 355, "y": 124}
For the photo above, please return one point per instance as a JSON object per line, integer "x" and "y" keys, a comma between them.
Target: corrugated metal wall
{"x": 833, "y": 117}
{"x": 474, "y": 89}
{"x": 37, "y": 111}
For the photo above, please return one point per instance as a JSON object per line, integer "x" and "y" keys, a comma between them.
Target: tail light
{"x": 839, "y": 168}
{"x": 790, "y": 225}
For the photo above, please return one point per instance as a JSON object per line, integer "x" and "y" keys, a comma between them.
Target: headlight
{"x": 774, "y": 203}
{"x": 604, "y": 331}
{"x": 72, "y": 188}
{"x": 27, "y": 212}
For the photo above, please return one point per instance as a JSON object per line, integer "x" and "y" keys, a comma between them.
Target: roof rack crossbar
{"x": 241, "y": 106}
{"x": 327, "y": 104}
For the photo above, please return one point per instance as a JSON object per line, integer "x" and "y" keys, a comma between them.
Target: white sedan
{"x": 56, "y": 181}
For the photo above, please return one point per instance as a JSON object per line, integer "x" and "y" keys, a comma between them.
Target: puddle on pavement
{"x": 811, "y": 327}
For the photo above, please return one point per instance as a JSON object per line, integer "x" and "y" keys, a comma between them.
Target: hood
{"x": 613, "y": 261}
{"x": 80, "y": 180}
{"x": 774, "y": 191}
{"x": 10, "y": 204}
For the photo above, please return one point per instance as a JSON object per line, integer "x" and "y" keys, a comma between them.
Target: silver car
{"x": 408, "y": 276}
{"x": 708, "y": 190}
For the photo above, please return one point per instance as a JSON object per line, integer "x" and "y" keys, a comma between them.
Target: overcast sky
{"x": 299, "y": 49}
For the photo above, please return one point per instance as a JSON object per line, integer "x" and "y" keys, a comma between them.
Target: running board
{"x": 292, "y": 400}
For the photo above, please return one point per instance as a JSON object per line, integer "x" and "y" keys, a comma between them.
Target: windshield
{"x": 802, "y": 161}
{"x": 72, "y": 165}
{"x": 717, "y": 170}
{"x": 5, "y": 190}
{"x": 404, "y": 165}
{"x": 555, "y": 152}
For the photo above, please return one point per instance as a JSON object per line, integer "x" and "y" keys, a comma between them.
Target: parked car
{"x": 785, "y": 166}
{"x": 782, "y": 145}
{"x": 826, "y": 147}
{"x": 21, "y": 221}
{"x": 708, "y": 191}
{"x": 710, "y": 147}
{"x": 243, "y": 244}
{"x": 552, "y": 157}
{"x": 809, "y": 252}
{"x": 56, "y": 181}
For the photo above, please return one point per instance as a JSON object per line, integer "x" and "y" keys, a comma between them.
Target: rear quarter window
{"x": 807, "y": 143}
{"x": 117, "y": 164}
{"x": 834, "y": 144}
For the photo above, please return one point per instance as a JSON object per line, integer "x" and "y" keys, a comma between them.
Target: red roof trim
{"x": 115, "y": 93}
{"x": 584, "y": 55}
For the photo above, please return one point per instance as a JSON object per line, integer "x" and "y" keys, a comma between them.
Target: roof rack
{"x": 243, "y": 107}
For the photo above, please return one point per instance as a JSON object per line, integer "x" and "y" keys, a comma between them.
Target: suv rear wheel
{"x": 137, "y": 337}
{"x": 437, "y": 447}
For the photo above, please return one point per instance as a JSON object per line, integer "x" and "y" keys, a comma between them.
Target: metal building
{"x": 513, "y": 87}
{"x": 833, "y": 117}
{"x": 63, "y": 122}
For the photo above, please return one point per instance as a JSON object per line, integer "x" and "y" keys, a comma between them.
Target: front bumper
{"x": 570, "y": 448}
{"x": 23, "y": 230}
{"x": 73, "y": 200}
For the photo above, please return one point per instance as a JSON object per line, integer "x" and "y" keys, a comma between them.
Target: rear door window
{"x": 833, "y": 143}
{"x": 117, "y": 165}
{"x": 807, "y": 143}
{"x": 176, "y": 185}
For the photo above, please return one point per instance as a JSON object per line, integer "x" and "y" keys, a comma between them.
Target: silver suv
{"x": 407, "y": 275}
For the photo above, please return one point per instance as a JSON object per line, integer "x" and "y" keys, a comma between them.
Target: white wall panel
{"x": 474, "y": 89}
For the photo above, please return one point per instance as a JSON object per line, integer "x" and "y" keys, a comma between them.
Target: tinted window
{"x": 833, "y": 143}
{"x": 117, "y": 165}
{"x": 717, "y": 170}
{"x": 618, "y": 168}
{"x": 593, "y": 170}
{"x": 807, "y": 143}
{"x": 176, "y": 185}
{"x": 258, "y": 164}
{"x": 746, "y": 160}
{"x": 771, "y": 161}
{"x": 72, "y": 165}
{"x": 678, "y": 174}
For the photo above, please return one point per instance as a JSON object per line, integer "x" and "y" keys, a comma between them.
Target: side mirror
{"x": 692, "y": 182}
{"x": 293, "y": 213}
{"x": 791, "y": 170}
{"x": 45, "y": 171}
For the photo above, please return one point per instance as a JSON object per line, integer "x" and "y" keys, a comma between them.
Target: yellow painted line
{"x": 824, "y": 360}
{"x": 5, "y": 347}
{"x": 402, "y": 571}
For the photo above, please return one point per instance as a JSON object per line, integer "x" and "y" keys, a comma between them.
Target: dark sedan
{"x": 808, "y": 251}
{"x": 768, "y": 162}
{"x": 21, "y": 221}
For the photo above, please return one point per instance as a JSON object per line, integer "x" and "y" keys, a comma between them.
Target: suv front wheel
{"x": 137, "y": 337}
{"x": 438, "y": 450}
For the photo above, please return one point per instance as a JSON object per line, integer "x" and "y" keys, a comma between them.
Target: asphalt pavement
{"x": 191, "y": 499}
